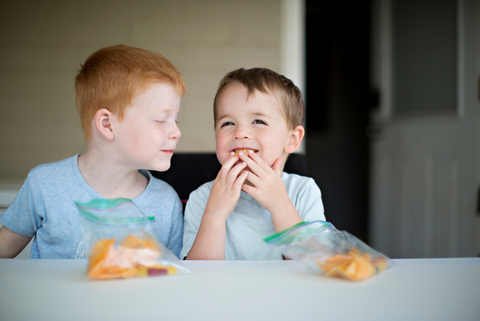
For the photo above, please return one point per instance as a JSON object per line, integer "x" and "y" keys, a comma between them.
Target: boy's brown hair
{"x": 268, "y": 82}
{"x": 113, "y": 76}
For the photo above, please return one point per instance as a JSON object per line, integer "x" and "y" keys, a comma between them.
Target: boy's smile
{"x": 250, "y": 122}
{"x": 149, "y": 133}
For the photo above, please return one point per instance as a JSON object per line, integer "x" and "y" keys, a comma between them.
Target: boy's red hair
{"x": 113, "y": 76}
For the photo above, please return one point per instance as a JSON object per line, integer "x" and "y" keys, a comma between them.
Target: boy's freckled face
{"x": 148, "y": 134}
{"x": 252, "y": 121}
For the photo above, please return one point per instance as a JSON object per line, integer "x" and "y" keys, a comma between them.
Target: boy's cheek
{"x": 222, "y": 154}
{"x": 221, "y": 158}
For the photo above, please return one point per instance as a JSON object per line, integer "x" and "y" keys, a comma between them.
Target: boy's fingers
{"x": 254, "y": 179}
{"x": 241, "y": 180}
{"x": 234, "y": 173}
{"x": 247, "y": 189}
{"x": 259, "y": 161}
{"x": 231, "y": 160}
{"x": 252, "y": 164}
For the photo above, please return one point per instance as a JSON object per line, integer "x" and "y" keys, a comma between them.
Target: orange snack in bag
{"x": 133, "y": 257}
{"x": 116, "y": 272}
{"x": 99, "y": 255}
{"x": 353, "y": 266}
{"x": 134, "y": 242}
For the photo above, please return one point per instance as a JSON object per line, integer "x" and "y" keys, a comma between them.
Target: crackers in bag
{"x": 133, "y": 257}
{"x": 353, "y": 266}
{"x": 322, "y": 248}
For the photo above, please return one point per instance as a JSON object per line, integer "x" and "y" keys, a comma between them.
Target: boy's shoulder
{"x": 299, "y": 185}
{"x": 158, "y": 196}
{"x": 203, "y": 191}
{"x": 157, "y": 183}
{"x": 52, "y": 170}
{"x": 158, "y": 191}
{"x": 205, "y": 187}
{"x": 289, "y": 178}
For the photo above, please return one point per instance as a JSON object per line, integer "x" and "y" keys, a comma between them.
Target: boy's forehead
{"x": 237, "y": 94}
{"x": 159, "y": 96}
{"x": 152, "y": 85}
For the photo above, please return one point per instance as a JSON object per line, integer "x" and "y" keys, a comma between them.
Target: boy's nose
{"x": 175, "y": 132}
{"x": 241, "y": 132}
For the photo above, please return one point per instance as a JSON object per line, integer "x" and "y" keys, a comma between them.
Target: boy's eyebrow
{"x": 254, "y": 114}
{"x": 164, "y": 110}
{"x": 260, "y": 114}
{"x": 220, "y": 117}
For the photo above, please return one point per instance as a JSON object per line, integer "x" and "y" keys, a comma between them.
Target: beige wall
{"x": 43, "y": 43}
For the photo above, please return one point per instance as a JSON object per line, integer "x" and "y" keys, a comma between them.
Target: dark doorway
{"x": 337, "y": 101}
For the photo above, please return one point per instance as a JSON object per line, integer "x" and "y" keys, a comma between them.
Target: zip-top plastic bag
{"x": 323, "y": 248}
{"x": 122, "y": 242}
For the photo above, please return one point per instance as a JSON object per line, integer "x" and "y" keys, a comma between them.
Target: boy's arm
{"x": 209, "y": 243}
{"x": 11, "y": 243}
{"x": 176, "y": 231}
{"x": 269, "y": 190}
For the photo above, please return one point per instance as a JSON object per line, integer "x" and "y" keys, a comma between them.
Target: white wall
{"x": 43, "y": 43}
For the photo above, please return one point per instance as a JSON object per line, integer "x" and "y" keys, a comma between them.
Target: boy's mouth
{"x": 244, "y": 150}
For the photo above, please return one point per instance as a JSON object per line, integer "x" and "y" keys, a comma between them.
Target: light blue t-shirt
{"x": 45, "y": 208}
{"x": 250, "y": 223}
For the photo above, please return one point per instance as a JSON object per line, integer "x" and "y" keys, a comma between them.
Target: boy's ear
{"x": 103, "y": 123}
{"x": 295, "y": 139}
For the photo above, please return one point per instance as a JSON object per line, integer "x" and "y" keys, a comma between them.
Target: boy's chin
{"x": 161, "y": 167}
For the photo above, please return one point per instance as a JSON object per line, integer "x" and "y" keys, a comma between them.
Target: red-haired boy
{"x": 128, "y": 100}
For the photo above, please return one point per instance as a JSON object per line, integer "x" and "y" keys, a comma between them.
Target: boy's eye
{"x": 258, "y": 121}
{"x": 228, "y": 123}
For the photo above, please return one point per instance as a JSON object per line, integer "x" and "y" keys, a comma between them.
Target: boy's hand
{"x": 269, "y": 190}
{"x": 226, "y": 189}
{"x": 209, "y": 243}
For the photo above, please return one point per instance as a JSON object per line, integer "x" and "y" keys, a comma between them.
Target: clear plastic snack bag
{"x": 323, "y": 248}
{"x": 122, "y": 242}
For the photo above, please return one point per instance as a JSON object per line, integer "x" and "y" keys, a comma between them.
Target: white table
{"x": 415, "y": 289}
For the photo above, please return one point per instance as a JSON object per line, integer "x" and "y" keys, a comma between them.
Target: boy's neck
{"x": 109, "y": 178}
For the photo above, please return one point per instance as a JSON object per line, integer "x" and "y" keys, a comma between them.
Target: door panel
{"x": 424, "y": 181}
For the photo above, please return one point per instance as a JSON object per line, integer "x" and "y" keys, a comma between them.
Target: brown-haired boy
{"x": 128, "y": 100}
{"x": 258, "y": 123}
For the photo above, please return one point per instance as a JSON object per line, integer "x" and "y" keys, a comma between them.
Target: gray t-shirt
{"x": 45, "y": 208}
{"x": 249, "y": 222}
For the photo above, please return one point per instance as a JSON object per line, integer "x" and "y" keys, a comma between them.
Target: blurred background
{"x": 391, "y": 90}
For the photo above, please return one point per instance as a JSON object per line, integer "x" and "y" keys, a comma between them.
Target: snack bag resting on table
{"x": 321, "y": 247}
{"x": 122, "y": 242}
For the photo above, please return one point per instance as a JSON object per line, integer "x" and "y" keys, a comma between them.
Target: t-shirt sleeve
{"x": 176, "y": 231}
{"x": 22, "y": 215}
{"x": 309, "y": 202}
{"x": 197, "y": 202}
